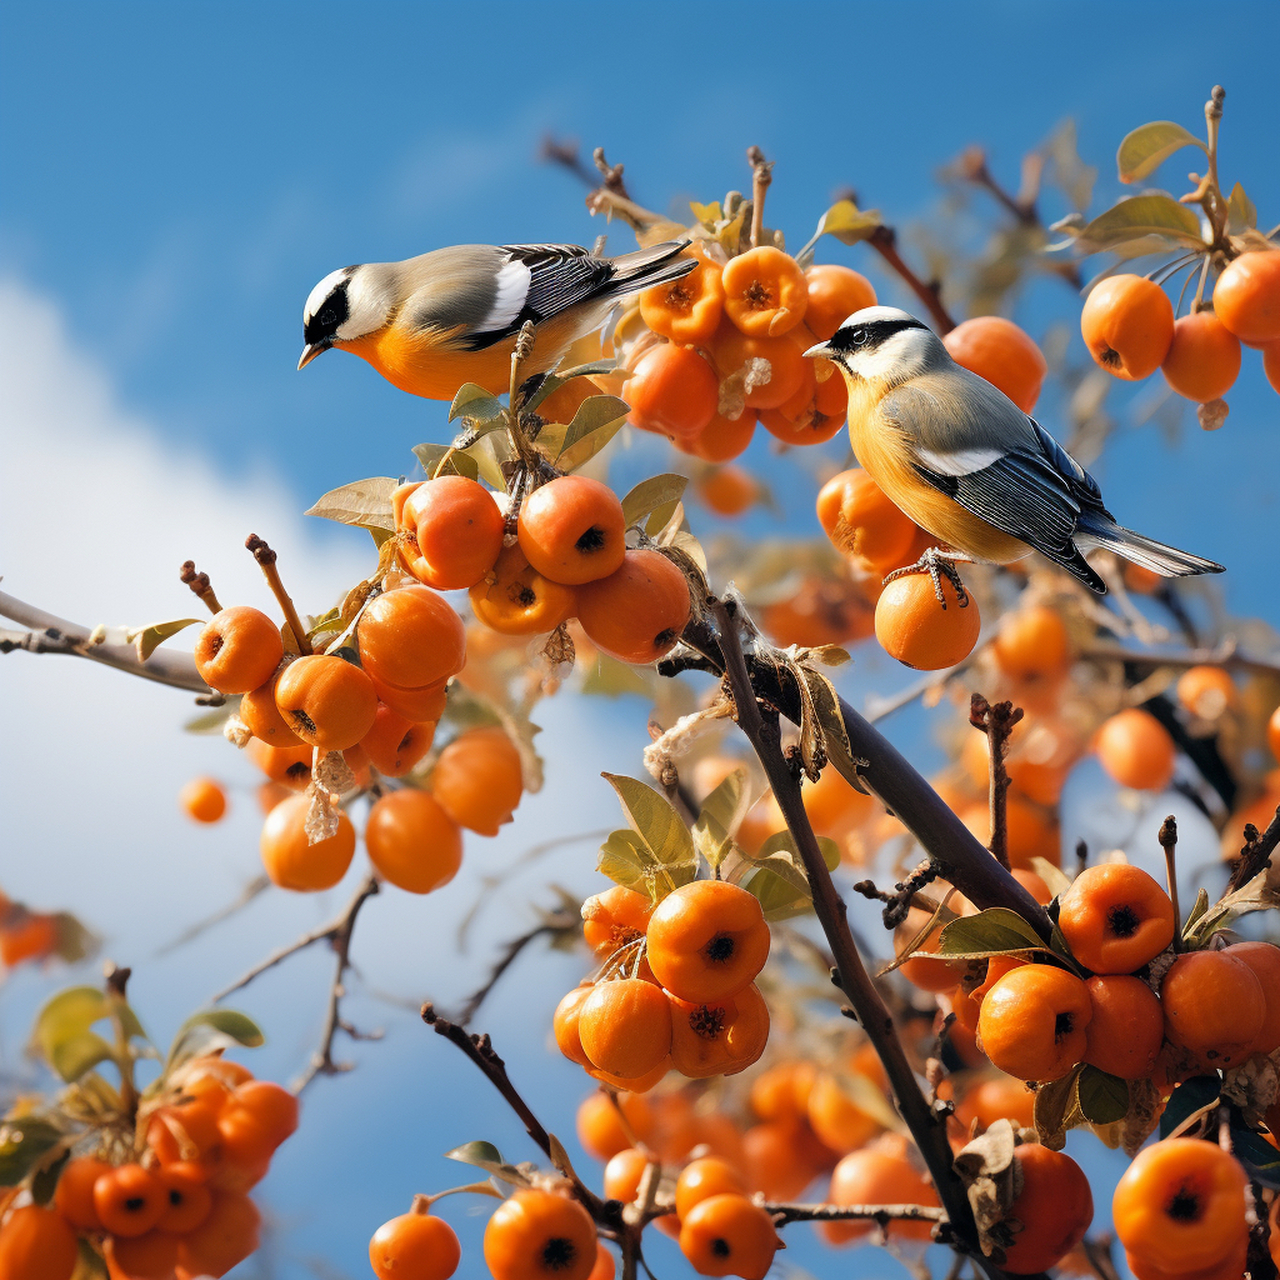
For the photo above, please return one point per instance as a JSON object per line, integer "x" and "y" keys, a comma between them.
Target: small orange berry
{"x": 292, "y": 861}
{"x": 835, "y": 293}
{"x": 1034, "y": 1022}
{"x": 572, "y": 530}
{"x": 996, "y": 349}
{"x": 625, "y": 1026}
{"x": 638, "y": 613}
{"x": 1055, "y": 1207}
{"x": 728, "y": 1235}
{"x": 414, "y": 1246}
{"x": 1126, "y": 1028}
{"x": 538, "y": 1233}
{"x": 1136, "y": 750}
{"x": 1204, "y": 358}
{"x": 203, "y": 799}
{"x": 1213, "y": 1005}
{"x": 326, "y": 701}
{"x": 914, "y": 627}
{"x": 1127, "y": 322}
{"x": 478, "y": 779}
{"x": 1247, "y": 297}
{"x": 238, "y": 650}
{"x": 412, "y": 841}
{"x": 1115, "y": 918}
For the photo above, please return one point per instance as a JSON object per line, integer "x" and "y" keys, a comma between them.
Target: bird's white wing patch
{"x": 962, "y": 462}
{"x": 512, "y": 288}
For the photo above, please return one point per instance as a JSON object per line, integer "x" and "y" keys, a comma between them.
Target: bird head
{"x": 346, "y": 304}
{"x": 882, "y": 345}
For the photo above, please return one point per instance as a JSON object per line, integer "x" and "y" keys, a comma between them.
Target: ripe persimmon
{"x": 294, "y": 863}
{"x": 1127, "y": 323}
{"x": 188, "y": 1199}
{"x": 860, "y": 520}
{"x": 768, "y": 385}
{"x": 782, "y": 1157}
{"x": 514, "y": 599}
{"x": 37, "y": 1244}
{"x": 835, "y": 1116}
{"x": 478, "y": 779}
{"x": 625, "y": 1026}
{"x": 1180, "y": 1205}
{"x": 74, "y": 1195}
{"x": 410, "y": 638}
{"x": 877, "y": 1177}
{"x": 673, "y": 391}
{"x": 913, "y": 626}
{"x": 1203, "y": 361}
{"x": 718, "y": 1037}
{"x": 703, "y": 1178}
{"x": 1034, "y": 1022}
{"x": 459, "y": 531}
{"x": 636, "y": 614}
{"x": 153, "y": 1256}
{"x": 394, "y": 745}
{"x": 728, "y": 491}
{"x": 255, "y": 1120}
{"x": 686, "y": 310}
{"x": 1264, "y": 959}
{"x": 412, "y": 841}
{"x": 623, "y": 1174}
{"x": 572, "y": 530}
{"x": 224, "y": 1239}
{"x": 1054, "y": 1206}
{"x": 1032, "y": 644}
{"x": 1126, "y": 1029}
{"x": 1005, "y": 355}
{"x": 822, "y": 611}
{"x": 997, "y": 1097}
{"x": 203, "y": 799}
{"x": 288, "y": 766}
{"x": 415, "y": 1246}
{"x": 765, "y": 293}
{"x": 262, "y": 717}
{"x": 614, "y": 919}
{"x": 129, "y": 1200}
{"x": 1136, "y": 750}
{"x": 327, "y": 701}
{"x": 1246, "y": 297}
{"x": 723, "y": 439}
{"x": 728, "y": 1235}
{"x": 1115, "y": 918}
{"x": 835, "y": 293}
{"x": 238, "y": 649}
{"x": 565, "y": 1026}
{"x": 707, "y": 939}
{"x": 1213, "y": 1005}
{"x": 539, "y": 1233}
{"x": 922, "y": 971}
{"x": 603, "y": 1127}
{"x": 1206, "y": 692}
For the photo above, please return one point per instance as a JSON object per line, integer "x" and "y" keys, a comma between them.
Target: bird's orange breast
{"x": 883, "y": 450}
{"x": 423, "y": 364}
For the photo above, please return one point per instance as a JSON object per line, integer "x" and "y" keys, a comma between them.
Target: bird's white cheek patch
{"x": 963, "y": 462}
{"x": 512, "y": 290}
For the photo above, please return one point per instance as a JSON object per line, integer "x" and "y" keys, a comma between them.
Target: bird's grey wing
{"x": 1034, "y": 491}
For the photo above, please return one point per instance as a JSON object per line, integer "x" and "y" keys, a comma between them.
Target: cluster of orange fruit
{"x": 1129, "y": 327}
{"x": 569, "y": 560}
{"x": 676, "y": 989}
{"x": 181, "y": 1210}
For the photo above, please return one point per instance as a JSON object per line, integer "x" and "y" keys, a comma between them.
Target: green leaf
{"x": 475, "y": 402}
{"x": 847, "y": 222}
{"x": 61, "y": 1033}
{"x": 1191, "y": 1098}
{"x": 488, "y": 454}
{"x": 1260, "y": 1159}
{"x": 146, "y": 640}
{"x": 45, "y": 1183}
{"x": 1242, "y": 214}
{"x": 22, "y": 1143}
{"x": 781, "y": 840}
{"x": 484, "y": 1155}
{"x": 612, "y": 678}
{"x": 211, "y": 1024}
{"x": 598, "y": 420}
{"x": 1154, "y": 214}
{"x": 1057, "y": 1109}
{"x": 994, "y": 932}
{"x": 626, "y": 861}
{"x": 1103, "y": 1098}
{"x": 72, "y": 1057}
{"x": 1145, "y": 149}
{"x": 431, "y": 455}
{"x": 651, "y": 494}
{"x": 778, "y": 882}
{"x": 721, "y": 814}
{"x": 365, "y": 503}
{"x": 663, "y": 835}
{"x": 554, "y": 381}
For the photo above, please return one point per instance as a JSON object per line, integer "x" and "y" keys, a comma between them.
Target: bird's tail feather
{"x": 658, "y": 264}
{"x": 1146, "y": 552}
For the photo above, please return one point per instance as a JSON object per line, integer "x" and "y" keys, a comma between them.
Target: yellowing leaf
{"x": 146, "y": 640}
{"x": 649, "y": 495}
{"x": 598, "y": 420}
{"x": 1241, "y": 212}
{"x": 1145, "y": 149}
{"x": 661, "y": 830}
{"x": 430, "y": 457}
{"x": 1155, "y": 214}
{"x": 475, "y": 402}
{"x": 847, "y": 222}
{"x": 366, "y": 503}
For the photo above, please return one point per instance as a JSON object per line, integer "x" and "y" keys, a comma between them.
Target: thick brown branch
{"x": 480, "y": 1050}
{"x": 51, "y": 634}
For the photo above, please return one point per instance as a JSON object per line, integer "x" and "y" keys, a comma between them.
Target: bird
{"x": 967, "y": 465}
{"x": 452, "y": 316}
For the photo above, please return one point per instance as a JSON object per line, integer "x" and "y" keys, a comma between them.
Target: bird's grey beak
{"x": 822, "y": 349}
{"x": 310, "y": 351}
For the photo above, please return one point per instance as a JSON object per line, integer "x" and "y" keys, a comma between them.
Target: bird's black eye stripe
{"x": 326, "y": 322}
{"x": 871, "y": 333}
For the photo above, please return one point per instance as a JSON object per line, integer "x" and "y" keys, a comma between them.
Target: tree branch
{"x": 884, "y": 240}
{"x": 1256, "y": 853}
{"x": 51, "y": 634}
{"x": 997, "y": 723}
{"x": 882, "y": 1214}
{"x": 559, "y": 922}
{"x": 259, "y": 884}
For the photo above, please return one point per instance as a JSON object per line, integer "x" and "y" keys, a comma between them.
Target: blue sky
{"x": 174, "y": 178}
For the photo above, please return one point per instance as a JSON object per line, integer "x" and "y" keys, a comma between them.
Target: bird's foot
{"x": 938, "y": 564}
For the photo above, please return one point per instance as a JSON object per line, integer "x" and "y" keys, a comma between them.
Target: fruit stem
{"x": 997, "y": 723}
{"x": 200, "y": 586}
{"x": 761, "y": 177}
{"x": 266, "y": 559}
{"x": 1169, "y": 843}
{"x": 116, "y": 981}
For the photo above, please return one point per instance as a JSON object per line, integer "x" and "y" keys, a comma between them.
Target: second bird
{"x": 967, "y": 465}
{"x": 431, "y": 323}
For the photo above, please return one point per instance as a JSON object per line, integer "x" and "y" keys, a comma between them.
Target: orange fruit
{"x": 478, "y": 779}
{"x": 1204, "y": 358}
{"x": 539, "y": 1233}
{"x": 765, "y": 292}
{"x": 914, "y": 627}
{"x": 996, "y": 349}
{"x": 1115, "y": 918}
{"x": 1246, "y": 297}
{"x": 414, "y": 1246}
{"x": 1034, "y": 1022}
{"x": 1127, "y": 323}
{"x": 294, "y": 863}
{"x": 203, "y": 799}
{"x": 412, "y": 841}
{"x": 1136, "y": 750}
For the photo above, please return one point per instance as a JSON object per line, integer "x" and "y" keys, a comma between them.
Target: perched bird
{"x": 967, "y": 465}
{"x": 431, "y": 323}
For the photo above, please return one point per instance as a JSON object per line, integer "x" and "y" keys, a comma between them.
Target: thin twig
{"x": 1226, "y": 655}
{"x": 884, "y": 240}
{"x": 560, "y": 922}
{"x": 322, "y": 1062}
{"x": 200, "y": 586}
{"x": 883, "y": 1214}
{"x": 266, "y": 559}
{"x": 51, "y": 634}
{"x": 1169, "y": 843}
{"x": 256, "y": 886}
{"x": 997, "y": 723}
{"x": 479, "y": 1048}
{"x": 850, "y": 973}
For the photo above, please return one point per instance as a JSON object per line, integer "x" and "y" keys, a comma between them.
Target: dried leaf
{"x": 1144, "y": 150}
{"x": 1242, "y": 214}
{"x": 1057, "y": 1110}
{"x": 366, "y": 503}
{"x": 146, "y": 640}
{"x": 1103, "y": 1098}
